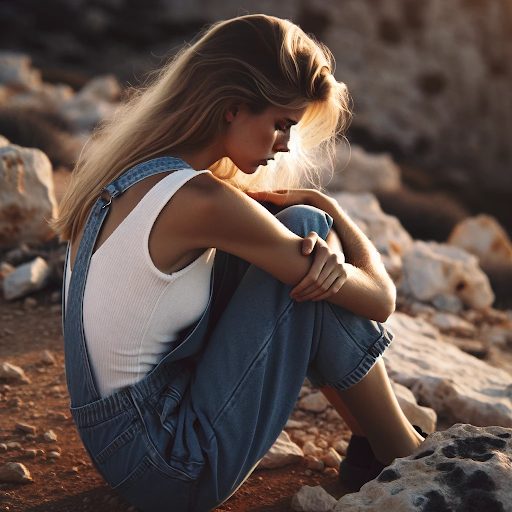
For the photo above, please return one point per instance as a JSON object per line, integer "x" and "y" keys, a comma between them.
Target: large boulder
{"x": 431, "y": 269}
{"x": 27, "y": 199}
{"x": 16, "y": 71}
{"x": 458, "y": 386}
{"x": 464, "y": 468}
{"x": 385, "y": 231}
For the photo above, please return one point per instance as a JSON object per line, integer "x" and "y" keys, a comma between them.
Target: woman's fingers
{"x": 321, "y": 256}
{"x": 309, "y": 242}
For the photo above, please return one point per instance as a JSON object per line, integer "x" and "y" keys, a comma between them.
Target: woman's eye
{"x": 282, "y": 128}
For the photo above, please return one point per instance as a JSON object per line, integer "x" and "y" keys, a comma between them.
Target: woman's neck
{"x": 202, "y": 158}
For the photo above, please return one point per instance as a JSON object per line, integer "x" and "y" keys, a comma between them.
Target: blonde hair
{"x": 256, "y": 60}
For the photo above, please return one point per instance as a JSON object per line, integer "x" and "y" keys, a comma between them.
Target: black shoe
{"x": 360, "y": 464}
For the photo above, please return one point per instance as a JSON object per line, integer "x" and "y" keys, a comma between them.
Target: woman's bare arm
{"x": 215, "y": 214}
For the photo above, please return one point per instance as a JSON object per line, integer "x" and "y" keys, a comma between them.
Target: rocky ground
{"x": 36, "y": 430}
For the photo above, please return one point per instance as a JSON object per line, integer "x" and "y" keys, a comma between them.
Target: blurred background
{"x": 430, "y": 81}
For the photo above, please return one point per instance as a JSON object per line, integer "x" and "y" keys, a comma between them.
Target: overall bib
{"x": 187, "y": 435}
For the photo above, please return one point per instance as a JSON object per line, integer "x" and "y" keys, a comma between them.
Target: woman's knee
{"x": 304, "y": 218}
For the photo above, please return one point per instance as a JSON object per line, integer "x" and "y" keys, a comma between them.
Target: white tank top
{"x": 132, "y": 312}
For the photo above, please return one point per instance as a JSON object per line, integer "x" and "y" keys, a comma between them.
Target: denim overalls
{"x": 190, "y": 432}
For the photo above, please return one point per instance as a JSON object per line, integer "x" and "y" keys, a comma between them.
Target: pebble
{"x": 314, "y": 463}
{"x": 322, "y": 443}
{"x": 25, "y": 427}
{"x": 53, "y": 455}
{"x": 341, "y": 446}
{"x": 3, "y": 447}
{"x": 50, "y": 436}
{"x": 332, "y": 458}
{"x": 12, "y": 372}
{"x": 29, "y": 303}
{"x": 48, "y": 358}
{"x": 310, "y": 448}
{"x": 14, "y": 445}
{"x": 330, "y": 471}
{"x": 15, "y": 402}
{"x": 30, "y": 452}
{"x": 315, "y": 402}
{"x": 14, "y": 472}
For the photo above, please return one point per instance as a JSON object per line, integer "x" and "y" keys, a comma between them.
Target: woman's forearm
{"x": 369, "y": 283}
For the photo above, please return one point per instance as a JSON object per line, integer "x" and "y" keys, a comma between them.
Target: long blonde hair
{"x": 257, "y": 60}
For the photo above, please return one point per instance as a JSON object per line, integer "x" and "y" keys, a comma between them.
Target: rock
{"x": 500, "y": 336}
{"x": 449, "y": 303}
{"x": 283, "y": 452}
{"x": 25, "y": 427}
{"x": 424, "y": 417}
{"x": 30, "y": 453}
{"x": 50, "y": 436}
{"x": 3, "y": 447}
{"x": 332, "y": 472}
{"x": 332, "y": 458}
{"x": 104, "y": 88}
{"x": 48, "y": 358}
{"x": 29, "y": 303}
{"x": 476, "y": 348}
{"x": 385, "y": 231}
{"x": 14, "y": 472}
{"x": 314, "y": 464}
{"x": 53, "y": 455}
{"x": 27, "y": 198}
{"x": 84, "y": 112}
{"x": 3, "y": 141}
{"x": 12, "y": 372}
{"x": 341, "y": 446}
{"x": 315, "y": 402}
{"x": 6, "y": 269}
{"x": 459, "y": 469}
{"x": 16, "y": 71}
{"x": 27, "y": 278}
{"x": 310, "y": 448}
{"x": 14, "y": 445}
{"x": 446, "y": 322}
{"x": 294, "y": 424}
{"x": 358, "y": 171}
{"x": 312, "y": 499}
{"x": 431, "y": 269}
{"x": 485, "y": 238}
{"x": 456, "y": 385}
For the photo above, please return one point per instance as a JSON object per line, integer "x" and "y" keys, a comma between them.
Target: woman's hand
{"x": 327, "y": 273}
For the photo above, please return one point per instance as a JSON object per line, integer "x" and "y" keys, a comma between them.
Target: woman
{"x": 192, "y": 313}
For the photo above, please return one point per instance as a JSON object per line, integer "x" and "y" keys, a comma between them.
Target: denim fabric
{"x": 189, "y": 433}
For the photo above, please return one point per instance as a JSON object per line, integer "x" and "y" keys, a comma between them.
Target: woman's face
{"x": 251, "y": 139}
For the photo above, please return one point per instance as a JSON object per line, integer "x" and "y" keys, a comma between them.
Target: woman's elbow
{"x": 388, "y": 304}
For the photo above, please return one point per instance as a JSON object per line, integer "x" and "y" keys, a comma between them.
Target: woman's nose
{"x": 281, "y": 144}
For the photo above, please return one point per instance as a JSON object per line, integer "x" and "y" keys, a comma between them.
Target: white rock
{"x": 310, "y": 448}
{"x": 358, "y": 171}
{"x": 50, "y": 436}
{"x": 12, "y": 372}
{"x": 385, "y": 231}
{"x": 3, "y": 141}
{"x": 283, "y": 452}
{"x": 14, "y": 472}
{"x": 446, "y": 322}
{"x": 294, "y": 424}
{"x": 27, "y": 278}
{"x": 332, "y": 458}
{"x": 27, "y": 198}
{"x": 104, "y": 88}
{"x": 456, "y": 385}
{"x": 315, "y": 402}
{"x": 449, "y": 303}
{"x": 458, "y": 469}
{"x": 484, "y": 237}
{"x": 312, "y": 499}
{"x": 424, "y": 417}
{"x": 85, "y": 112}
{"x": 431, "y": 269}
{"x": 16, "y": 70}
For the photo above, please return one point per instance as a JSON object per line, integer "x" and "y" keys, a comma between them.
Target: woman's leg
{"x": 393, "y": 433}
{"x": 249, "y": 375}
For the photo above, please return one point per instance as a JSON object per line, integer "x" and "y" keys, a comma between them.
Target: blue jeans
{"x": 189, "y": 433}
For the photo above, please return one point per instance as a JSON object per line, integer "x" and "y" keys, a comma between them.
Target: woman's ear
{"x": 231, "y": 113}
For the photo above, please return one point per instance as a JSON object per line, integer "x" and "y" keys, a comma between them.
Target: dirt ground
{"x": 69, "y": 482}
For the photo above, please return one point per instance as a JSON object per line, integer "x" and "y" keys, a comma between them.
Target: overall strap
{"x": 79, "y": 375}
